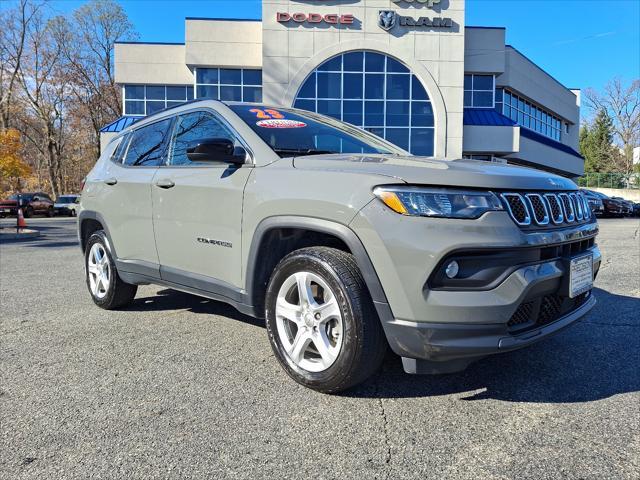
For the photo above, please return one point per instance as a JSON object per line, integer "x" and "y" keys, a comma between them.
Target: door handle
{"x": 165, "y": 183}
{"x": 111, "y": 181}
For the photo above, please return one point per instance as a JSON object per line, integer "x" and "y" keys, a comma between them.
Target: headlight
{"x": 438, "y": 202}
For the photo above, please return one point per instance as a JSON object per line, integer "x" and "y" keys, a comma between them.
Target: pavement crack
{"x": 385, "y": 430}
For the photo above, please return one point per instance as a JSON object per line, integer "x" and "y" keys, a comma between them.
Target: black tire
{"x": 50, "y": 212}
{"x": 72, "y": 213}
{"x": 28, "y": 212}
{"x": 119, "y": 293}
{"x": 363, "y": 345}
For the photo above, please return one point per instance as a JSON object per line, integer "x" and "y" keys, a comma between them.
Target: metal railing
{"x": 610, "y": 180}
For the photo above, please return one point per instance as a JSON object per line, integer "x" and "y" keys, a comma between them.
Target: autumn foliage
{"x": 13, "y": 169}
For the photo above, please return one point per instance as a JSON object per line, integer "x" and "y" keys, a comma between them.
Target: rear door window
{"x": 118, "y": 153}
{"x": 148, "y": 144}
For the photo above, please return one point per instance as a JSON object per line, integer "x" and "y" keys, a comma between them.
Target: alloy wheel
{"x": 99, "y": 271}
{"x": 309, "y": 322}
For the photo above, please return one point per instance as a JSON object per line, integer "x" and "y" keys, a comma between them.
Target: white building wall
{"x": 484, "y": 50}
{"x": 162, "y": 64}
{"x": 534, "y": 83}
{"x": 223, "y": 43}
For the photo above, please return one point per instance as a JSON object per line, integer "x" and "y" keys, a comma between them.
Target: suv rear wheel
{"x": 321, "y": 322}
{"x": 105, "y": 285}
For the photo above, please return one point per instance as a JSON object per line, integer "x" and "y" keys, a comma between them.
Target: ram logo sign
{"x": 387, "y": 19}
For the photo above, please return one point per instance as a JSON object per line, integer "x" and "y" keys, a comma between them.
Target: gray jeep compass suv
{"x": 343, "y": 242}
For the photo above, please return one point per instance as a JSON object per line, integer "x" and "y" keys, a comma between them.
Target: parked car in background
{"x": 627, "y": 206}
{"x": 67, "y": 205}
{"x": 595, "y": 202}
{"x": 612, "y": 207}
{"x": 31, "y": 203}
{"x": 636, "y": 209}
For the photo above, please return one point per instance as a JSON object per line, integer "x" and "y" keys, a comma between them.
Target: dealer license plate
{"x": 580, "y": 275}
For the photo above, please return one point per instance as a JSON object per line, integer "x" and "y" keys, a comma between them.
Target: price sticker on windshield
{"x": 280, "y": 123}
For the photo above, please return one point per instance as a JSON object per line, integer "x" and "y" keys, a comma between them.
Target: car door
{"x": 126, "y": 196}
{"x": 36, "y": 203}
{"x": 197, "y": 208}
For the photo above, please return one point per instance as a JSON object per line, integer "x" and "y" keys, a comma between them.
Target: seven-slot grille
{"x": 547, "y": 209}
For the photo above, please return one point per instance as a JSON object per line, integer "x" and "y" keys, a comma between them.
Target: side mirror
{"x": 36, "y": 199}
{"x": 216, "y": 150}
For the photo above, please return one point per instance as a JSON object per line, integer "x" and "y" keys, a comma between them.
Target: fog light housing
{"x": 452, "y": 269}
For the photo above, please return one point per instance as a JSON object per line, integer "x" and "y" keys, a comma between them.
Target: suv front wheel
{"x": 105, "y": 285}
{"x": 321, "y": 322}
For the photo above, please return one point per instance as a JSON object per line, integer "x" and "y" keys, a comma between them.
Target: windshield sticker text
{"x": 277, "y": 123}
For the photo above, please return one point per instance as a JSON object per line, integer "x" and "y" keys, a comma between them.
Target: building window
{"x": 528, "y": 115}
{"x": 479, "y": 91}
{"x": 374, "y": 92}
{"x": 231, "y": 84}
{"x": 147, "y": 99}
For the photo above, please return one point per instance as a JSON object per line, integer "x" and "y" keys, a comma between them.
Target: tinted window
{"x": 148, "y": 144}
{"x": 291, "y": 132}
{"x": 192, "y": 127}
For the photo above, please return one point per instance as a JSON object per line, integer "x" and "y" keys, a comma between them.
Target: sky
{"x": 582, "y": 43}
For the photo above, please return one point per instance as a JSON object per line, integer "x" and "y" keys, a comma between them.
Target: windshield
{"x": 296, "y": 132}
{"x": 66, "y": 200}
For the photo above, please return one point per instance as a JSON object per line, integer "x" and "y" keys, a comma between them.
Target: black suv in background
{"x": 31, "y": 204}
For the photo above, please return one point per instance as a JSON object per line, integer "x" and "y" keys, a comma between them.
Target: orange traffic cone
{"x": 21, "y": 221}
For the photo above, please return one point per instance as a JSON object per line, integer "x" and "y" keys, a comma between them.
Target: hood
{"x": 425, "y": 171}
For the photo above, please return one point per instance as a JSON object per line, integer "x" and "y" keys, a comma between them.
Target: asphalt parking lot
{"x": 177, "y": 386}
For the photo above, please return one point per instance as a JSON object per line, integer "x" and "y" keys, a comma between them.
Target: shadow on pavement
{"x": 594, "y": 359}
{"x": 169, "y": 299}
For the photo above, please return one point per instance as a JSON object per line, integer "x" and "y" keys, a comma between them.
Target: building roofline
{"x": 148, "y": 43}
{"x": 485, "y": 28}
{"x": 540, "y": 68}
{"x": 225, "y": 19}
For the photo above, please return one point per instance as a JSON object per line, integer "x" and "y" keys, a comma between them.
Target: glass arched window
{"x": 374, "y": 92}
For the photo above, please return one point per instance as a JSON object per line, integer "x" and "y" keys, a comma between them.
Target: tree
{"x": 15, "y": 23}
{"x": 43, "y": 82}
{"x": 622, "y": 104}
{"x": 596, "y": 144}
{"x": 87, "y": 42}
{"x": 12, "y": 167}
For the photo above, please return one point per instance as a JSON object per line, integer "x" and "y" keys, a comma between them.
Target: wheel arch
{"x": 89, "y": 222}
{"x": 258, "y": 270}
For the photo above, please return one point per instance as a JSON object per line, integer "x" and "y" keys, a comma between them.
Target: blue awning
{"x": 486, "y": 117}
{"x": 119, "y": 124}
{"x": 490, "y": 117}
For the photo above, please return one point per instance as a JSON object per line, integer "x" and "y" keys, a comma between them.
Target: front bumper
{"x": 6, "y": 211}
{"x": 440, "y": 330}
{"x": 62, "y": 210}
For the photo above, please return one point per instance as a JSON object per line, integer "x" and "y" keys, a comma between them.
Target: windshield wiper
{"x": 303, "y": 151}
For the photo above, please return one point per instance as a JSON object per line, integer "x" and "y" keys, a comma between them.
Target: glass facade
{"x": 374, "y": 92}
{"x": 527, "y": 114}
{"x": 147, "y": 99}
{"x": 479, "y": 91}
{"x": 231, "y": 84}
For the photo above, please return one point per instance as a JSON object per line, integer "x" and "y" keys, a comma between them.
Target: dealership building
{"x": 410, "y": 71}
